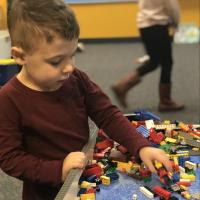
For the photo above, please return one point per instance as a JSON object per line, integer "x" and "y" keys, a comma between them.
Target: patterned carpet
{"x": 10, "y": 188}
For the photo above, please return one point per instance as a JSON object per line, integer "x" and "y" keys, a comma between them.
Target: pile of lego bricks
{"x": 114, "y": 174}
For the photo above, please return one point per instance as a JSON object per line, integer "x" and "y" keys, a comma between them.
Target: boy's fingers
{"x": 151, "y": 167}
{"x": 167, "y": 165}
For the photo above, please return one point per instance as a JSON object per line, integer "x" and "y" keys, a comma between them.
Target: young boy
{"x": 45, "y": 108}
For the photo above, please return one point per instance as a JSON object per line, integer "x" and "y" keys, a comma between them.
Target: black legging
{"x": 157, "y": 43}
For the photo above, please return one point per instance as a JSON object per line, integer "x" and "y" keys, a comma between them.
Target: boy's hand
{"x": 73, "y": 160}
{"x": 149, "y": 154}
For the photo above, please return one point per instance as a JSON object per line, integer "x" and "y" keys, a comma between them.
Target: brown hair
{"x": 29, "y": 20}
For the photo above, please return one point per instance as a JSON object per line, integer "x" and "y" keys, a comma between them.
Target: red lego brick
{"x": 185, "y": 183}
{"x": 94, "y": 169}
{"x": 156, "y": 137}
{"x": 91, "y": 190}
{"x": 162, "y": 192}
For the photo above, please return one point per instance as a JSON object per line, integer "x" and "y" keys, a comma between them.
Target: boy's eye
{"x": 55, "y": 63}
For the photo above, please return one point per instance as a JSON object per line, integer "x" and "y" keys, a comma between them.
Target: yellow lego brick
{"x": 181, "y": 152}
{"x": 163, "y": 143}
{"x": 157, "y": 164}
{"x": 186, "y": 195}
{"x": 175, "y": 161}
{"x": 183, "y": 187}
{"x": 89, "y": 196}
{"x": 135, "y": 165}
{"x": 124, "y": 166}
{"x": 183, "y": 126}
{"x": 171, "y": 140}
{"x": 195, "y": 149}
{"x": 105, "y": 180}
{"x": 167, "y": 122}
{"x": 177, "y": 155}
{"x": 190, "y": 177}
{"x": 86, "y": 184}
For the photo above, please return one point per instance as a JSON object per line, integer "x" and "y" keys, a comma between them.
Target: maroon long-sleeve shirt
{"x": 38, "y": 130}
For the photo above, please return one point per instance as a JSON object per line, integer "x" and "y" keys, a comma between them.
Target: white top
{"x": 158, "y": 12}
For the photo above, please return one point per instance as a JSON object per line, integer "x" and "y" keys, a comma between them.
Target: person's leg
{"x": 165, "y": 53}
{"x": 150, "y": 42}
{"x": 121, "y": 88}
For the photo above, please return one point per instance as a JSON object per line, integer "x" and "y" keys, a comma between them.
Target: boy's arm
{"x": 109, "y": 118}
{"x": 173, "y": 10}
{"x": 14, "y": 160}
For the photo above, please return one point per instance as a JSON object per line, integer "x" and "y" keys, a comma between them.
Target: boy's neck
{"x": 25, "y": 82}
{"x": 23, "y": 77}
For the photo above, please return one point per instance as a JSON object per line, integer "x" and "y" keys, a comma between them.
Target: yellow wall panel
{"x": 107, "y": 20}
{"x": 114, "y": 20}
{"x": 3, "y": 14}
{"x": 119, "y": 19}
{"x": 190, "y": 11}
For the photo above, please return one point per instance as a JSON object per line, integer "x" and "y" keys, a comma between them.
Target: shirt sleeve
{"x": 109, "y": 118}
{"x": 173, "y": 10}
{"x": 14, "y": 160}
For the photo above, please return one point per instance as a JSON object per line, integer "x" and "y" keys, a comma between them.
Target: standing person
{"x": 45, "y": 108}
{"x": 154, "y": 19}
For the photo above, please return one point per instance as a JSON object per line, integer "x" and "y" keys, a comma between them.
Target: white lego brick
{"x": 146, "y": 192}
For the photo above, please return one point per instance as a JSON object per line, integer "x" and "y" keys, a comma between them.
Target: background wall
{"x": 114, "y": 20}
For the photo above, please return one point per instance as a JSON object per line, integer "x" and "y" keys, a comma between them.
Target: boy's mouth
{"x": 61, "y": 81}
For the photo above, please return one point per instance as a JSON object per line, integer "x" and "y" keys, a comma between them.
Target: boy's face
{"x": 49, "y": 66}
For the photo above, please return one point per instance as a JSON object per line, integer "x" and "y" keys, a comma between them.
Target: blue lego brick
{"x": 82, "y": 191}
{"x": 91, "y": 178}
{"x": 146, "y": 115}
{"x": 113, "y": 176}
{"x": 181, "y": 160}
{"x": 176, "y": 177}
{"x": 143, "y": 130}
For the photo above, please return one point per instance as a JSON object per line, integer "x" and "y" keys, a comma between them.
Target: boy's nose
{"x": 69, "y": 68}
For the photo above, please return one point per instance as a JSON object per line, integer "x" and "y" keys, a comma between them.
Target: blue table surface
{"x": 125, "y": 187}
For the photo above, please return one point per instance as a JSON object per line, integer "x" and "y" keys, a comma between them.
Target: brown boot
{"x": 121, "y": 88}
{"x": 166, "y": 103}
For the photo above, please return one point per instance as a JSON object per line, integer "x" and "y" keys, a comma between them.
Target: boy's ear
{"x": 18, "y": 54}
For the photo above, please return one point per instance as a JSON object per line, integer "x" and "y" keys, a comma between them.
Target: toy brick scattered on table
{"x": 177, "y": 139}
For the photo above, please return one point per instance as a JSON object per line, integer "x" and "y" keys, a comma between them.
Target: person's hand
{"x": 149, "y": 154}
{"x": 174, "y": 29}
{"x": 73, "y": 160}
